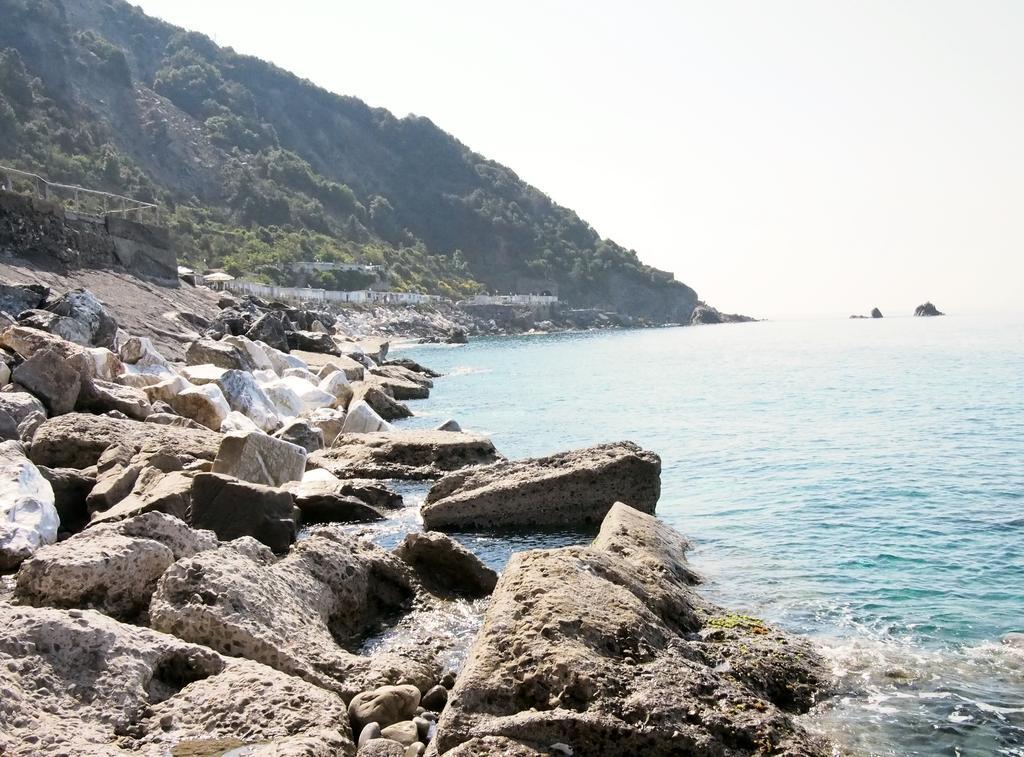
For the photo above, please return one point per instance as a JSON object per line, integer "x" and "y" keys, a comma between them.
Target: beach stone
{"x": 285, "y": 398}
{"x": 271, "y": 329}
{"x": 26, "y": 342}
{"x": 609, "y": 644}
{"x": 179, "y": 421}
{"x": 312, "y": 341}
{"x": 568, "y": 489}
{"x": 445, "y": 567}
{"x": 260, "y": 459}
{"x": 245, "y": 396}
{"x": 154, "y": 490}
{"x": 254, "y": 351}
{"x": 384, "y": 706}
{"x": 28, "y": 515}
{"x": 337, "y": 385}
{"x": 435, "y": 699}
{"x": 382, "y": 748}
{"x": 206, "y": 405}
{"x": 79, "y": 682}
{"x": 238, "y": 424}
{"x": 220, "y": 354}
{"x": 303, "y": 434}
{"x": 369, "y": 732}
{"x": 405, "y": 733}
{"x": 112, "y": 567}
{"x": 70, "y": 489}
{"x": 232, "y": 508}
{"x": 202, "y": 374}
{"x": 380, "y": 400}
{"x": 50, "y": 377}
{"x": 412, "y": 455}
{"x": 82, "y": 306}
{"x": 100, "y": 396}
{"x": 325, "y": 502}
{"x": 26, "y": 412}
{"x": 77, "y": 440}
{"x": 291, "y": 613}
{"x": 329, "y": 421}
{"x": 363, "y": 419}
{"x": 450, "y": 425}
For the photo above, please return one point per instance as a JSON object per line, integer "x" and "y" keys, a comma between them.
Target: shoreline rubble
{"x": 185, "y": 566}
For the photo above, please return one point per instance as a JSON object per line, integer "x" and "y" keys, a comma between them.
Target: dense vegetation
{"x": 257, "y": 168}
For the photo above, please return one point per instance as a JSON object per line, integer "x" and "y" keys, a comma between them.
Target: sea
{"x": 857, "y": 481}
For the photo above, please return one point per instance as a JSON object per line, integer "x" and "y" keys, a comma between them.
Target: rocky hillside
{"x": 259, "y": 168}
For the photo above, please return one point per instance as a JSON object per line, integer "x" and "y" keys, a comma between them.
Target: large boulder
{"x": 402, "y": 384}
{"x": 312, "y": 341}
{"x": 77, "y": 440}
{"x": 65, "y": 328}
{"x": 82, "y": 306}
{"x": 569, "y": 489}
{"x": 382, "y": 403}
{"x": 303, "y": 434}
{"x": 608, "y": 649}
{"x": 52, "y": 378}
{"x": 153, "y": 490}
{"x": 80, "y": 683}
{"x": 384, "y": 706}
{"x": 412, "y": 455}
{"x": 27, "y": 341}
{"x": 290, "y": 613}
{"x": 271, "y": 329}
{"x": 445, "y": 567}
{"x": 205, "y": 404}
{"x": 232, "y": 509}
{"x": 336, "y": 384}
{"x": 329, "y": 422}
{"x": 245, "y": 396}
{"x": 256, "y": 353}
{"x": 112, "y": 567}
{"x": 220, "y": 354}
{"x": 100, "y": 396}
{"x": 363, "y": 419}
{"x": 16, "y": 298}
{"x": 260, "y": 459}
{"x": 28, "y": 517}
{"x": 26, "y": 412}
{"x": 326, "y": 501}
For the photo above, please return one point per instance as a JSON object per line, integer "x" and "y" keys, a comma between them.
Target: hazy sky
{"x": 782, "y": 158}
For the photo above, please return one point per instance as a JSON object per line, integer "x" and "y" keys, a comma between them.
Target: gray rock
{"x": 16, "y": 298}
{"x": 405, "y": 732}
{"x": 312, "y": 341}
{"x": 113, "y": 568}
{"x": 220, "y": 354}
{"x": 26, "y": 342}
{"x": 450, "y": 425}
{"x": 445, "y": 567}
{"x": 99, "y": 396}
{"x": 326, "y": 502}
{"x": 232, "y": 508}
{"x": 65, "y": 328}
{"x": 570, "y": 489}
{"x": 382, "y": 403}
{"x": 173, "y": 419}
{"x": 369, "y": 732}
{"x": 290, "y": 614}
{"x": 83, "y": 306}
{"x": 27, "y": 413}
{"x": 876, "y": 313}
{"x": 614, "y": 647}
{"x": 77, "y": 440}
{"x": 413, "y": 455}
{"x": 270, "y": 328}
{"x": 435, "y": 699}
{"x": 70, "y": 489}
{"x": 301, "y": 433}
{"x": 78, "y": 682}
{"x": 153, "y": 491}
{"x": 260, "y": 459}
{"x": 384, "y": 706}
{"x": 927, "y": 309}
{"x": 50, "y": 377}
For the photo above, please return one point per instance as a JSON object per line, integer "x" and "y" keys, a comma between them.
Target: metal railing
{"x": 78, "y": 199}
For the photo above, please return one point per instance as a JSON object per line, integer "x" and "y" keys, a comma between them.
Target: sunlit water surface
{"x": 858, "y": 481}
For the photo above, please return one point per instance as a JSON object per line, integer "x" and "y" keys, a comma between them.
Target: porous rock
{"x": 289, "y": 614}
{"x": 574, "y": 488}
{"x": 403, "y": 454}
{"x": 608, "y": 649}
{"x": 384, "y": 706}
{"x": 445, "y": 567}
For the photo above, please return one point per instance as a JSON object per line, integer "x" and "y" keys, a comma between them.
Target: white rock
{"x": 206, "y": 373}
{"x": 133, "y": 378}
{"x": 361, "y": 419}
{"x": 309, "y": 393}
{"x": 337, "y": 385}
{"x": 5, "y": 374}
{"x": 108, "y": 366}
{"x": 165, "y": 391}
{"x": 258, "y": 355}
{"x": 245, "y": 395}
{"x": 281, "y": 361}
{"x": 28, "y": 518}
{"x": 139, "y": 352}
{"x": 236, "y": 422}
{"x": 330, "y": 421}
{"x": 203, "y": 404}
{"x": 287, "y": 402}
{"x": 302, "y": 373}
{"x": 265, "y": 377}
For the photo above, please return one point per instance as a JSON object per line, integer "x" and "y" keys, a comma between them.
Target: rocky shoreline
{"x": 182, "y": 569}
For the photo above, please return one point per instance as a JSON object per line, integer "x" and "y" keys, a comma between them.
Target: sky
{"x": 786, "y": 158}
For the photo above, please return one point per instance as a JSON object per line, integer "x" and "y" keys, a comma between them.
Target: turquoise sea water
{"x": 858, "y": 481}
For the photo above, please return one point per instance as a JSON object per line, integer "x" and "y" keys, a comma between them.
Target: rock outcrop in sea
{"x": 188, "y": 564}
{"x": 927, "y": 309}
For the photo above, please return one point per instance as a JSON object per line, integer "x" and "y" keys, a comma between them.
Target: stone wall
{"x": 44, "y": 233}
